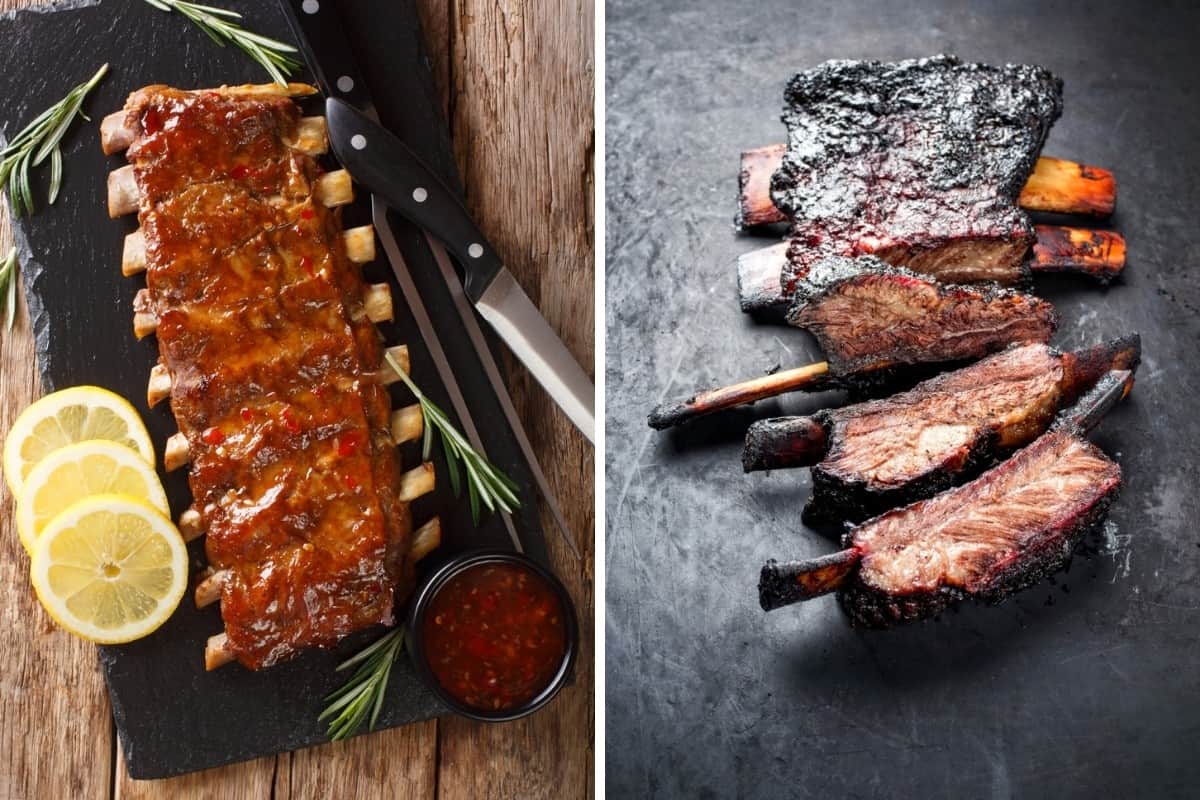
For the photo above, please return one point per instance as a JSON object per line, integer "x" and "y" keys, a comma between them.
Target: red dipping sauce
{"x": 495, "y": 636}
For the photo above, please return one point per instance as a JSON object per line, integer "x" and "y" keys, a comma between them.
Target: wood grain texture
{"x": 521, "y": 118}
{"x": 517, "y": 87}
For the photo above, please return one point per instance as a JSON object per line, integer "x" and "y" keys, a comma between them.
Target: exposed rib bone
{"x": 360, "y": 244}
{"x": 1055, "y": 185}
{"x": 425, "y": 539}
{"x": 145, "y": 321}
{"x": 122, "y": 192}
{"x": 400, "y": 354}
{"x": 311, "y": 136}
{"x": 208, "y": 591}
{"x": 377, "y": 301}
{"x": 809, "y": 376}
{"x": 189, "y": 525}
{"x": 116, "y": 133}
{"x": 177, "y": 452}
{"x": 133, "y": 255}
{"x": 159, "y": 387}
{"x": 416, "y": 482}
{"x": 334, "y": 188}
{"x": 217, "y": 652}
{"x": 1100, "y": 254}
{"x": 1065, "y": 187}
{"x": 408, "y": 424}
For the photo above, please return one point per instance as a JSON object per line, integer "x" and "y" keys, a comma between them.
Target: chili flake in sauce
{"x": 494, "y": 636}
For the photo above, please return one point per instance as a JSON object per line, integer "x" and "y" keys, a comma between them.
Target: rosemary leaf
{"x": 487, "y": 486}
{"x": 360, "y": 699}
{"x": 38, "y": 141}
{"x": 218, "y": 25}
{"x": 55, "y": 175}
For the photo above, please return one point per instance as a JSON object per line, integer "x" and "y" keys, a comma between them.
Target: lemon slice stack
{"x": 106, "y": 561}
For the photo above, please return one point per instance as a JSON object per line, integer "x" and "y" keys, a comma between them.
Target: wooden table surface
{"x": 517, "y": 78}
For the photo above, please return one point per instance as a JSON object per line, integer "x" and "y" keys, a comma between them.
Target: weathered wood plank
{"x": 250, "y": 780}
{"x": 400, "y": 762}
{"x": 521, "y": 118}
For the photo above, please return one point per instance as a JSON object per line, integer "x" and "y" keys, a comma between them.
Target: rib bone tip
{"x": 217, "y": 652}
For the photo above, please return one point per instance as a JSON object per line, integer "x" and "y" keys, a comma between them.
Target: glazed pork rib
{"x": 870, "y": 457}
{"x": 871, "y": 320}
{"x": 918, "y": 162}
{"x": 1002, "y": 532}
{"x": 274, "y": 370}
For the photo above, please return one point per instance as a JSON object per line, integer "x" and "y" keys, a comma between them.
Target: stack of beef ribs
{"x": 909, "y": 251}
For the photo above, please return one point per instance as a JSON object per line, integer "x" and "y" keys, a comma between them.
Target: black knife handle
{"x": 377, "y": 159}
{"x": 317, "y": 27}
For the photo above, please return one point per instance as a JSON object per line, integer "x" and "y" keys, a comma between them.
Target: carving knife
{"x": 390, "y": 169}
{"x": 379, "y": 160}
{"x": 317, "y": 28}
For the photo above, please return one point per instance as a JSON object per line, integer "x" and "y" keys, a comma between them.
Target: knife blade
{"x": 317, "y": 28}
{"x": 389, "y": 168}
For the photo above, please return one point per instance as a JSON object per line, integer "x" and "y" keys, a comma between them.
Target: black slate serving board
{"x": 1086, "y": 686}
{"x": 171, "y": 715}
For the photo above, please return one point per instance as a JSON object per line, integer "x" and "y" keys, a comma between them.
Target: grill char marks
{"x": 919, "y": 162}
{"x": 271, "y": 358}
{"x": 1001, "y": 533}
{"x": 868, "y": 316}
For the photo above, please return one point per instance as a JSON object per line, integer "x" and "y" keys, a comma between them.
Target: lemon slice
{"x": 72, "y": 415}
{"x": 110, "y": 569}
{"x": 73, "y": 472}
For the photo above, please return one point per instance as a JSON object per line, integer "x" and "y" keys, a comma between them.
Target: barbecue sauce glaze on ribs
{"x": 918, "y": 162}
{"x": 273, "y": 362}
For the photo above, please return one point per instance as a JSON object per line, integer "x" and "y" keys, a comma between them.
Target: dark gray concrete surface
{"x": 1083, "y": 686}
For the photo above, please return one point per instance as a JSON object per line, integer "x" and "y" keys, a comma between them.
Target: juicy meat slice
{"x": 919, "y": 162}
{"x": 916, "y": 443}
{"x": 1003, "y": 531}
{"x": 873, "y": 456}
{"x": 1000, "y": 533}
{"x": 272, "y": 360}
{"x": 868, "y": 316}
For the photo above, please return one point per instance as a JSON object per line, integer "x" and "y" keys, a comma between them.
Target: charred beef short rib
{"x": 871, "y": 457}
{"x": 876, "y": 322}
{"x": 867, "y": 316}
{"x": 918, "y": 162}
{"x": 1002, "y": 532}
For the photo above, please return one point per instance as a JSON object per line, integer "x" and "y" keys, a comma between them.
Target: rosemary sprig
{"x": 363, "y": 694}
{"x": 38, "y": 141}
{"x": 486, "y": 484}
{"x": 272, "y": 54}
{"x": 8, "y": 285}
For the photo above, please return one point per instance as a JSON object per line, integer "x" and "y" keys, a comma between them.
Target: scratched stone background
{"x": 1086, "y": 685}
